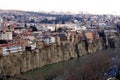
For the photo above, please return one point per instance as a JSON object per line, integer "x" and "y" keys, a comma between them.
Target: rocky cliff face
{"x": 29, "y": 60}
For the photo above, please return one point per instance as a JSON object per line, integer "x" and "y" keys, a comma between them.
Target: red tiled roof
{"x": 9, "y": 44}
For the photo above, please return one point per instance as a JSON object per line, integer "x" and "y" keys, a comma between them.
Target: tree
{"x": 99, "y": 63}
{"x": 86, "y": 72}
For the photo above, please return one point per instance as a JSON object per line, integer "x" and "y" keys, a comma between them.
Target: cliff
{"x": 16, "y": 63}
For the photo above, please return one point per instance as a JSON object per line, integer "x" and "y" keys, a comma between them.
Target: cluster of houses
{"x": 17, "y": 37}
{"x": 21, "y": 39}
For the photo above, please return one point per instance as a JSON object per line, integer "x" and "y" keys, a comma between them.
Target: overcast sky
{"x": 90, "y": 6}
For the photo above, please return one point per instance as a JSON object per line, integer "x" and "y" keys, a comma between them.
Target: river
{"x": 41, "y": 73}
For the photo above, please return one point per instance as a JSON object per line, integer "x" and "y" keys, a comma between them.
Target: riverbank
{"x": 55, "y": 70}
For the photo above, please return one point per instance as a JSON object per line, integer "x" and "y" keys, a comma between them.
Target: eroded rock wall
{"x": 16, "y": 63}
{"x": 29, "y": 60}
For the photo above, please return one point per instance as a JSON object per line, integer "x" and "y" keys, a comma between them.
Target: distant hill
{"x": 59, "y": 17}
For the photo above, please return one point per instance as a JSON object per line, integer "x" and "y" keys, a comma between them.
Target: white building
{"x": 1, "y": 20}
{"x": 49, "y": 40}
{"x": 6, "y": 50}
{"x": 80, "y": 28}
{"x": 102, "y": 25}
{"x": 6, "y": 36}
{"x": 50, "y": 27}
{"x": 32, "y": 43}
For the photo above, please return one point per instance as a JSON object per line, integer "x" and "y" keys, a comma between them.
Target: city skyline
{"x": 75, "y": 6}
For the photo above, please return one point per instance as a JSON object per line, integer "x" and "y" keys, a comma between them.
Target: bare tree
{"x": 99, "y": 63}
